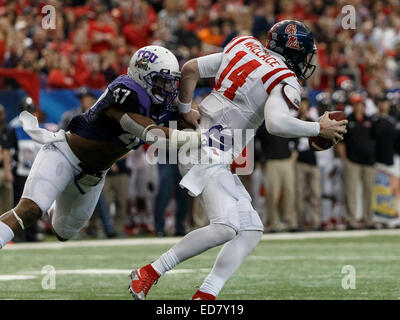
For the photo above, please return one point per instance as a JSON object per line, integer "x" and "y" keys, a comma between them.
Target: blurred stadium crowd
{"x": 293, "y": 187}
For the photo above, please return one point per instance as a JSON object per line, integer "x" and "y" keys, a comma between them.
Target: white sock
{"x": 166, "y": 262}
{"x": 6, "y": 234}
{"x": 212, "y": 284}
{"x": 229, "y": 260}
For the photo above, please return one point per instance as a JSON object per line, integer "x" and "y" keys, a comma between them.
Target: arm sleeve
{"x": 209, "y": 65}
{"x": 279, "y": 122}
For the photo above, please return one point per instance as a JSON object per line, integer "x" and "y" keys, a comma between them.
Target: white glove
{"x": 42, "y": 136}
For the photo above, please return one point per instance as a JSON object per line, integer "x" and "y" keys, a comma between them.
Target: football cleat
{"x": 142, "y": 280}
{"x": 199, "y": 295}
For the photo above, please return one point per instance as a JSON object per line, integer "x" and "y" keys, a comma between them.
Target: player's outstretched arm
{"x": 146, "y": 129}
{"x": 279, "y": 122}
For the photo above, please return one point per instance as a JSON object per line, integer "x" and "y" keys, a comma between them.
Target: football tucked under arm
{"x": 278, "y": 120}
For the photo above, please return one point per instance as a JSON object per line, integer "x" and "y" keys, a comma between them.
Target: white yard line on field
{"x": 312, "y": 257}
{"x": 109, "y": 271}
{"x": 8, "y": 277}
{"x": 33, "y": 274}
{"x": 173, "y": 240}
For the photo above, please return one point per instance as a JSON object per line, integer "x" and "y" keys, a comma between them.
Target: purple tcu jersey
{"x": 126, "y": 95}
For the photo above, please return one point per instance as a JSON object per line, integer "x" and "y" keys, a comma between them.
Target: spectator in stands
{"x": 143, "y": 184}
{"x": 63, "y": 76}
{"x": 279, "y": 179}
{"x": 307, "y": 177}
{"x": 385, "y": 133}
{"x": 358, "y": 153}
{"x": 185, "y": 41}
{"x": 264, "y": 19}
{"x": 5, "y": 34}
{"x": 138, "y": 32}
{"x": 101, "y": 32}
{"x": 170, "y": 14}
{"x": 7, "y": 141}
{"x": 169, "y": 178}
{"x": 212, "y": 34}
{"x": 94, "y": 77}
{"x": 86, "y": 101}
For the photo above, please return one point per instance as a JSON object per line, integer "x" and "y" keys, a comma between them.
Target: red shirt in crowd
{"x": 100, "y": 46}
{"x": 58, "y": 80}
{"x": 137, "y": 36}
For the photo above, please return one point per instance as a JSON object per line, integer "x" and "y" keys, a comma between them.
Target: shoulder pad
{"x": 291, "y": 95}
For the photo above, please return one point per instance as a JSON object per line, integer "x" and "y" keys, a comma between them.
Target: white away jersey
{"x": 247, "y": 73}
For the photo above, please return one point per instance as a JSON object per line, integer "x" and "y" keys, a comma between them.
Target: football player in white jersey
{"x": 253, "y": 83}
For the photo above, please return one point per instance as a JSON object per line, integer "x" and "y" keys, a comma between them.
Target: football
{"x": 319, "y": 143}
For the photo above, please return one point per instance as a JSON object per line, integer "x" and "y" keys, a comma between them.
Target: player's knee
{"x": 28, "y": 211}
{"x": 59, "y": 238}
{"x": 62, "y": 230}
{"x": 253, "y": 237}
{"x": 224, "y": 233}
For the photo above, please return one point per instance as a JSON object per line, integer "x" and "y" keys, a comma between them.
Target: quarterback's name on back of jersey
{"x": 261, "y": 53}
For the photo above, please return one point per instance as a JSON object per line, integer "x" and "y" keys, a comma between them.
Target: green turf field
{"x": 277, "y": 269}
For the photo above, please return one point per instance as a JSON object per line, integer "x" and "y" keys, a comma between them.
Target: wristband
{"x": 184, "y": 107}
{"x": 146, "y": 130}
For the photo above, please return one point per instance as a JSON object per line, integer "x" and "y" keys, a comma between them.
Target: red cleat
{"x": 199, "y": 295}
{"x": 142, "y": 280}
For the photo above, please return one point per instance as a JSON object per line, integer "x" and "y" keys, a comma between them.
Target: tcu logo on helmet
{"x": 292, "y": 42}
{"x": 147, "y": 55}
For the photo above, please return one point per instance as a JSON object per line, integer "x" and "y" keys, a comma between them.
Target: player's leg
{"x": 368, "y": 179}
{"x": 182, "y": 199}
{"x": 315, "y": 196}
{"x": 233, "y": 253}
{"x": 48, "y": 177}
{"x": 352, "y": 175}
{"x": 73, "y": 209}
{"x": 289, "y": 195}
{"x": 166, "y": 186}
{"x": 219, "y": 199}
{"x": 273, "y": 185}
{"x": 300, "y": 186}
{"x": 327, "y": 192}
{"x": 121, "y": 195}
{"x": 230, "y": 258}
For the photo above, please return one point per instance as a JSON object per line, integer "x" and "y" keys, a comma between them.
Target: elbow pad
{"x": 292, "y": 96}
